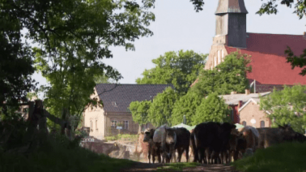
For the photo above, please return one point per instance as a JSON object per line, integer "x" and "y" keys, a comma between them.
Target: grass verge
{"x": 286, "y": 157}
{"x": 60, "y": 157}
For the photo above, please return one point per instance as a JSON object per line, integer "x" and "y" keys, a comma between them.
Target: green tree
{"x": 287, "y": 107}
{"x": 187, "y": 106}
{"x": 161, "y": 108}
{"x": 211, "y": 109}
{"x": 228, "y": 76}
{"x": 177, "y": 68}
{"x": 72, "y": 47}
{"x": 139, "y": 111}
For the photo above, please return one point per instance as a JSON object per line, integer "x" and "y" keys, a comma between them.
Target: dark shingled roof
{"x": 117, "y": 97}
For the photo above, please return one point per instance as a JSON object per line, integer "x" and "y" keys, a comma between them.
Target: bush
{"x": 286, "y": 157}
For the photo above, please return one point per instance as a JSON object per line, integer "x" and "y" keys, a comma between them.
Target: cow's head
{"x": 148, "y": 134}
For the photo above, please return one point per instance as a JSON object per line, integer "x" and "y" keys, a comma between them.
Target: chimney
{"x": 247, "y": 91}
{"x": 233, "y": 92}
{"x": 240, "y": 104}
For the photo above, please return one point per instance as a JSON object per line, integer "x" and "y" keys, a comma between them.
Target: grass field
{"x": 286, "y": 157}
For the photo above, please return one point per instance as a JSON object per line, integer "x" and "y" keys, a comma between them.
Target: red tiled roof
{"x": 269, "y": 65}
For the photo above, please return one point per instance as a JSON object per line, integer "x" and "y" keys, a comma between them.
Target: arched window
{"x": 91, "y": 127}
{"x": 262, "y": 124}
{"x": 244, "y": 123}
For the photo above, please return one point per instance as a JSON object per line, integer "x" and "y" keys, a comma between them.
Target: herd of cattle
{"x": 213, "y": 142}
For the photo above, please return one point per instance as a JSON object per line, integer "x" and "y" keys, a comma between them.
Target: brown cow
{"x": 154, "y": 148}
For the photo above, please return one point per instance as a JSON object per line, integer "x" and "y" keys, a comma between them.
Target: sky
{"x": 178, "y": 26}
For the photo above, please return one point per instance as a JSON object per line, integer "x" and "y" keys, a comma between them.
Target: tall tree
{"x": 140, "y": 111}
{"x": 187, "y": 106}
{"x": 161, "y": 108}
{"x": 177, "y": 68}
{"x": 72, "y": 47}
{"x": 16, "y": 58}
{"x": 287, "y": 106}
{"x": 228, "y": 76}
{"x": 211, "y": 109}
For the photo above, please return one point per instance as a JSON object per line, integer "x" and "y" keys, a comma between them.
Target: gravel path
{"x": 206, "y": 168}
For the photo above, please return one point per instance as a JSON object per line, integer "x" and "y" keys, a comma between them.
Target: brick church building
{"x": 268, "y": 59}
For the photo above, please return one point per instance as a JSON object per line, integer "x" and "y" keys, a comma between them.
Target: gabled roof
{"x": 117, "y": 97}
{"x": 269, "y": 64}
{"x": 233, "y": 99}
{"x": 254, "y": 100}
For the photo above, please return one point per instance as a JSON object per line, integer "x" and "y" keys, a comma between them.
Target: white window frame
{"x": 264, "y": 124}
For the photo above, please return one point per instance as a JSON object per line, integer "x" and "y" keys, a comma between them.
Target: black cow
{"x": 211, "y": 139}
{"x": 154, "y": 148}
{"x": 182, "y": 142}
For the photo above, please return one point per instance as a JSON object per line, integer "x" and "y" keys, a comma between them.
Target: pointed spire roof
{"x": 231, "y": 6}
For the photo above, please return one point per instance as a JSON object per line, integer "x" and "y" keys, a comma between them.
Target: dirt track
{"x": 206, "y": 168}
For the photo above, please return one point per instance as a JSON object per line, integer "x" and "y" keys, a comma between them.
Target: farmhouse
{"x": 116, "y": 99}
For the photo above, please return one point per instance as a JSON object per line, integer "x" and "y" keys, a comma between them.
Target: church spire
{"x": 231, "y": 6}
{"x": 231, "y": 23}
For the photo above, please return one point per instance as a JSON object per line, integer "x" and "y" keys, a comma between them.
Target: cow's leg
{"x": 187, "y": 154}
{"x": 153, "y": 157}
{"x": 149, "y": 155}
{"x": 179, "y": 152}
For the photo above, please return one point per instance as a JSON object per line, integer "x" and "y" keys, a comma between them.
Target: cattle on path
{"x": 209, "y": 140}
{"x": 154, "y": 147}
{"x": 182, "y": 142}
{"x": 168, "y": 144}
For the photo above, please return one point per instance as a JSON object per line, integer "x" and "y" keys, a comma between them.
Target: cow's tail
{"x": 193, "y": 140}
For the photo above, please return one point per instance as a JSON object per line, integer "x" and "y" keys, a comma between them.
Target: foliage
{"x": 60, "y": 154}
{"x": 161, "y": 108}
{"x": 211, "y": 109}
{"x": 300, "y": 10}
{"x": 187, "y": 106}
{"x": 228, "y": 76}
{"x": 139, "y": 111}
{"x": 285, "y": 157}
{"x": 16, "y": 58}
{"x": 71, "y": 47}
{"x": 177, "y": 68}
{"x": 123, "y": 137}
{"x": 287, "y": 106}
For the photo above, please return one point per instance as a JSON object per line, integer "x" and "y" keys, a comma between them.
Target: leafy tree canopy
{"x": 177, "y": 68}
{"x": 161, "y": 108}
{"x": 228, "y": 76}
{"x": 287, "y": 107}
{"x": 139, "y": 111}
{"x": 211, "y": 109}
{"x": 187, "y": 106}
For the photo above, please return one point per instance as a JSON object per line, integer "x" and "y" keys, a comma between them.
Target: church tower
{"x": 231, "y": 23}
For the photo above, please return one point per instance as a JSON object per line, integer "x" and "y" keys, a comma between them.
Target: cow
{"x": 168, "y": 144}
{"x": 154, "y": 147}
{"x": 182, "y": 142}
{"x": 272, "y": 136}
{"x": 209, "y": 140}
